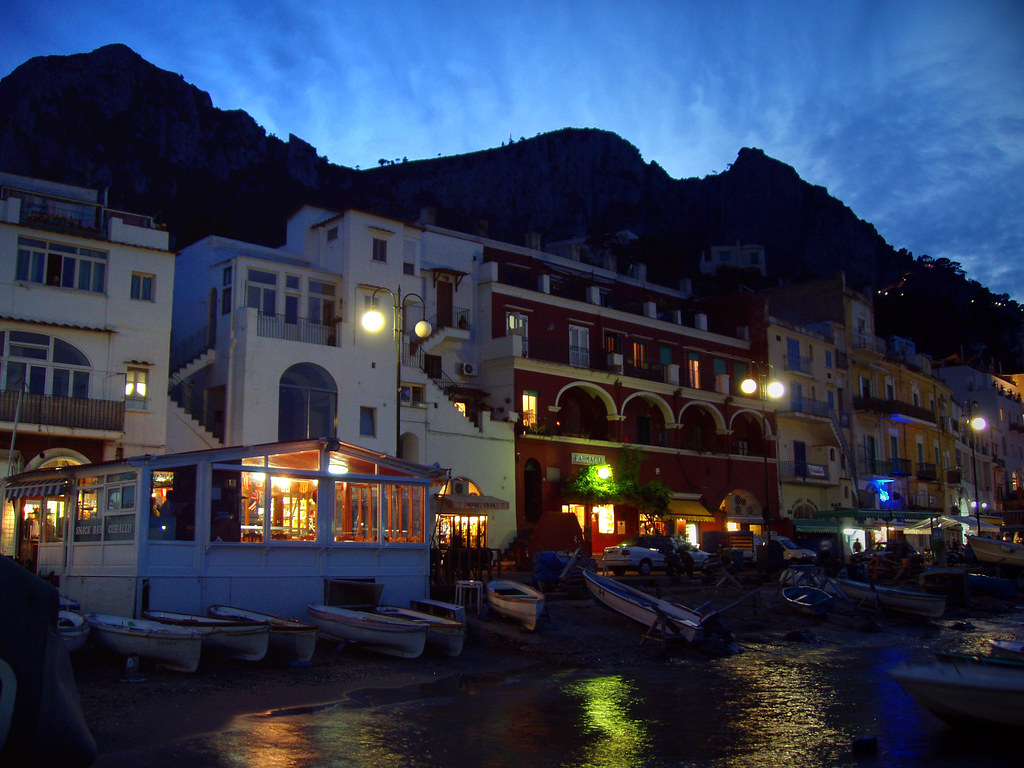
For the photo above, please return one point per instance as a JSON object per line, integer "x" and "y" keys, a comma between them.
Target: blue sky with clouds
{"x": 911, "y": 113}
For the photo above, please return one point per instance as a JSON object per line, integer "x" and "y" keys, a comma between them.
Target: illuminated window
{"x": 356, "y": 513}
{"x": 605, "y": 519}
{"x": 693, "y": 367}
{"x": 640, "y": 354}
{"x": 136, "y": 392}
{"x": 529, "y": 408}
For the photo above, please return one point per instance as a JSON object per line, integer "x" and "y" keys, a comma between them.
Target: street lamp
{"x": 764, "y": 388}
{"x": 977, "y": 423}
{"x": 373, "y": 321}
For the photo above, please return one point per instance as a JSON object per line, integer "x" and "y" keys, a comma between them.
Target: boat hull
{"x": 1008, "y": 649}
{"x": 516, "y": 601}
{"x": 446, "y": 636}
{"x": 997, "y": 551}
{"x": 903, "y": 601}
{"x": 174, "y": 648}
{"x": 73, "y": 628}
{"x": 643, "y": 608}
{"x": 242, "y": 640}
{"x": 391, "y": 636}
{"x": 959, "y": 691}
{"x": 290, "y": 639}
{"x": 809, "y": 601}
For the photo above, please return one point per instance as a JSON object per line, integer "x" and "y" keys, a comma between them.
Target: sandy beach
{"x": 161, "y": 707}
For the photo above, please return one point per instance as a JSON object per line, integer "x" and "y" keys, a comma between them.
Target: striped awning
{"x": 36, "y": 489}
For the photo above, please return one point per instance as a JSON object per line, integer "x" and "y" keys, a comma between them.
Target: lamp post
{"x": 764, "y": 388}
{"x": 373, "y": 321}
{"x": 977, "y": 424}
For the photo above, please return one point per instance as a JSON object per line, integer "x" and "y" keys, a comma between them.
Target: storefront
{"x": 265, "y": 527}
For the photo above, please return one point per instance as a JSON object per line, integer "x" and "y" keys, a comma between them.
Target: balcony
{"x": 898, "y": 410}
{"x": 926, "y": 471}
{"x": 885, "y": 467}
{"x": 807, "y": 407}
{"x": 799, "y": 364}
{"x": 802, "y": 470}
{"x": 297, "y": 329}
{"x": 64, "y": 412}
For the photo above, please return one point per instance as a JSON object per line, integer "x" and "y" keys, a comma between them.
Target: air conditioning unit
{"x": 467, "y": 369}
{"x": 615, "y": 362}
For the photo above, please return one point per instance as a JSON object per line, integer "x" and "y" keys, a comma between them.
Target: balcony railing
{"x": 810, "y": 407}
{"x": 802, "y": 470}
{"x": 68, "y": 412}
{"x": 885, "y": 467}
{"x": 887, "y": 406}
{"x": 926, "y": 471}
{"x": 798, "y": 363}
{"x": 298, "y": 329}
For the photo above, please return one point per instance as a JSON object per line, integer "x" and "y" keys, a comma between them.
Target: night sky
{"x": 911, "y": 113}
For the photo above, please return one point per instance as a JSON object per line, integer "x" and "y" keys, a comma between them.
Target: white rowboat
{"x": 1008, "y": 649}
{"x": 676, "y": 620}
{"x": 174, "y": 648}
{"x": 389, "y": 635}
{"x": 242, "y": 640}
{"x": 516, "y": 601}
{"x": 290, "y": 639}
{"x": 904, "y": 601}
{"x": 447, "y": 636}
{"x": 997, "y": 551}
{"x": 967, "y": 690}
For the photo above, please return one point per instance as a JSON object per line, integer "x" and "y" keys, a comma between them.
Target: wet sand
{"x": 164, "y": 707}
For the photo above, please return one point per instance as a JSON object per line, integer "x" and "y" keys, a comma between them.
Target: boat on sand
{"x": 73, "y": 628}
{"x": 674, "y": 620}
{"x": 967, "y": 690}
{"x": 1008, "y": 649}
{"x": 905, "y": 601}
{"x": 997, "y": 551}
{"x": 390, "y": 635}
{"x": 810, "y": 601}
{"x": 174, "y": 648}
{"x": 445, "y": 635}
{"x": 290, "y": 639}
{"x": 243, "y": 640}
{"x": 516, "y": 601}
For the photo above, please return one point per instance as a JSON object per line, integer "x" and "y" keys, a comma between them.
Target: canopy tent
{"x": 691, "y": 510}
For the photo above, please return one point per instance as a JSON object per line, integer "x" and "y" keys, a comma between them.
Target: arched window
{"x": 307, "y": 403}
{"x": 44, "y": 365}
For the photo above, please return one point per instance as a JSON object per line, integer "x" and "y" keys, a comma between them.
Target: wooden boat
{"x": 389, "y": 635}
{"x": 243, "y": 640}
{"x": 516, "y": 601}
{"x": 1008, "y": 649}
{"x": 675, "y": 620}
{"x": 967, "y": 689}
{"x": 997, "y": 551}
{"x": 445, "y": 635}
{"x": 894, "y": 599}
{"x": 810, "y": 601}
{"x": 290, "y": 639}
{"x": 440, "y": 608}
{"x": 172, "y": 647}
{"x": 73, "y": 628}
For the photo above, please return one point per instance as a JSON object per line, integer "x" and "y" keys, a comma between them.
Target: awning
{"x": 464, "y": 502}
{"x": 814, "y": 526}
{"x": 693, "y": 511}
{"x": 35, "y": 490}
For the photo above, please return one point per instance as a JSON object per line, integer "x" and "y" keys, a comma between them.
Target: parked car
{"x": 701, "y": 560}
{"x": 648, "y": 552}
{"x": 794, "y": 552}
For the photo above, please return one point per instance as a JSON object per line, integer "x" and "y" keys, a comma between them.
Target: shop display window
{"x": 405, "y": 512}
{"x": 356, "y": 512}
{"x": 173, "y": 504}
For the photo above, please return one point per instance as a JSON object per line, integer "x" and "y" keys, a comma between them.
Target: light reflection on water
{"x": 778, "y": 705}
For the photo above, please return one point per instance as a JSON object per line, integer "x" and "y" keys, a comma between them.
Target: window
{"x": 516, "y": 325}
{"x": 356, "y": 516}
{"x": 227, "y": 276}
{"x": 307, "y": 403}
{"x": 529, "y": 408}
{"x": 173, "y": 504}
{"x": 613, "y": 342}
{"x": 321, "y": 302}
{"x": 332, "y": 233}
{"x": 43, "y": 365}
{"x": 380, "y": 249}
{"x": 135, "y": 390}
{"x": 828, "y": 358}
{"x": 367, "y": 421}
{"x": 61, "y": 266}
{"x": 643, "y": 430}
{"x": 404, "y": 515}
{"x": 225, "y": 301}
{"x": 693, "y": 368}
{"x": 142, "y": 286}
{"x": 640, "y": 354}
{"x": 579, "y": 346}
{"x": 261, "y": 291}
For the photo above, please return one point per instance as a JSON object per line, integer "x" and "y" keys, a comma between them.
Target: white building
{"x": 267, "y": 345}
{"x": 85, "y": 311}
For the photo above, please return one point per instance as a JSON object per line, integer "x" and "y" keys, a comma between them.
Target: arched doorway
{"x": 307, "y": 403}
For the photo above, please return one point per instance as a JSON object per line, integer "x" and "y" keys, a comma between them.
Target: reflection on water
{"x": 779, "y": 706}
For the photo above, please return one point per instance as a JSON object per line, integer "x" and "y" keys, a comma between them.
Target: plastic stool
{"x": 469, "y": 592}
